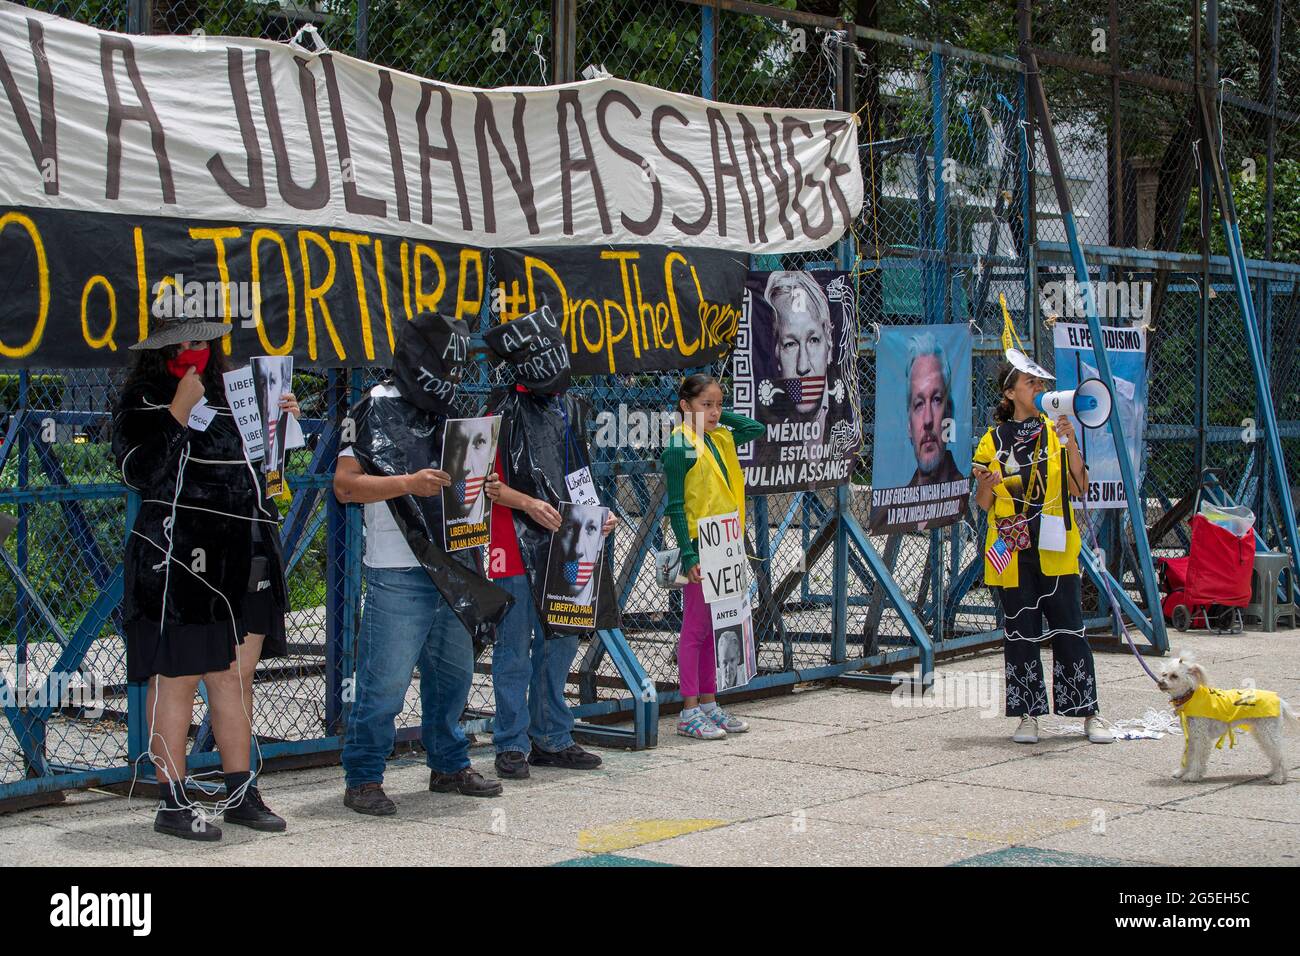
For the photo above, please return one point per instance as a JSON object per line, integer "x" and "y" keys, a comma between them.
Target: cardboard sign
{"x": 201, "y": 415}
{"x": 722, "y": 558}
{"x": 582, "y": 489}
{"x": 241, "y": 394}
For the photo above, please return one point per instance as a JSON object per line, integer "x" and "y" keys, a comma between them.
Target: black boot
{"x": 571, "y": 757}
{"x": 176, "y": 820}
{"x": 252, "y": 812}
{"x": 468, "y": 781}
{"x": 512, "y": 765}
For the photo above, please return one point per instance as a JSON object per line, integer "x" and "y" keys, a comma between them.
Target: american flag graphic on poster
{"x": 578, "y": 573}
{"x": 467, "y": 489}
{"x": 807, "y": 389}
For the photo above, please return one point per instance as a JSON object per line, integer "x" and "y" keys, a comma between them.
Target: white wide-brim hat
{"x": 1023, "y": 363}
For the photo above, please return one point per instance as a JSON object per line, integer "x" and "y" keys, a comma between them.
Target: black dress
{"x": 189, "y": 555}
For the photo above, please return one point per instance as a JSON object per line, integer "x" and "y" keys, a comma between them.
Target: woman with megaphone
{"x": 1031, "y": 556}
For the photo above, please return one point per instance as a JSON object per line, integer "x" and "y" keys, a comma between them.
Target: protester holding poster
{"x": 422, "y": 604}
{"x": 1126, "y": 351}
{"x": 203, "y": 575}
{"x": 706, "y": 508}
{"x": 923, "y": 422}
{"x": 1026, "y": 467}
{"x": 795, "y": 370}
{"x": 469, "y": 447}
{"x": 542, "y": 463}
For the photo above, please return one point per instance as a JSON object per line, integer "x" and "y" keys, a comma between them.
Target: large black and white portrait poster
{"x": 795, "y": 370}
{"x": 469, "y": 448}
{"x": 272, "y": 380}
{"x": 573, "y": 566}
{"x": 734, "y": 654}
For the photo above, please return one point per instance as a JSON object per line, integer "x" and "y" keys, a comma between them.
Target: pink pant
{"x": 695, "y": 663}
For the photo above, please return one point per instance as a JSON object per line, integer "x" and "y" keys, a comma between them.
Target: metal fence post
{"x": 139, "y": 15}
{"x": 708, "y": 51}
{"x": 363, "y": 29}
{"x": 564, "y": 33}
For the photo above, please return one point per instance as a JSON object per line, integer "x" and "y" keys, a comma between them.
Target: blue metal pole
{"x": 708, "y": 69}
{"x": 1146, "y": 569}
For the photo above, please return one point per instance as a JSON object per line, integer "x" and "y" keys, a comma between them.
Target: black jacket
{"x": 215, "y": 494}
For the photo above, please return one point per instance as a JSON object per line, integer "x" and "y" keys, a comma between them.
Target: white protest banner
{"x": 234, "y": 129}
{"x": 241, "y": 393}
{"x": 722, "y": 558}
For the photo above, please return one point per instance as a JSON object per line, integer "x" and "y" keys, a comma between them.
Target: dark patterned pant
{"x": 1055, "y": 601}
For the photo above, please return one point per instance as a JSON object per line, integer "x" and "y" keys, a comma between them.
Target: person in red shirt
{"x": 543, "y": 453}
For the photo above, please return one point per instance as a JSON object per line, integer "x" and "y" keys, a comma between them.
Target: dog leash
{"x": 1105, "y": 584}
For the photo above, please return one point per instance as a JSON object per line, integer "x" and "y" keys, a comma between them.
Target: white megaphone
{"x": 1089, "y": 402}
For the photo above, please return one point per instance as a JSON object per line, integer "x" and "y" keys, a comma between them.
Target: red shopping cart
{"x": 1210, "y": 586}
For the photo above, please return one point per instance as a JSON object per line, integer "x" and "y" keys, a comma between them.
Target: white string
{"x": 1152, "y": 725}
{"x": 541, "y": 60}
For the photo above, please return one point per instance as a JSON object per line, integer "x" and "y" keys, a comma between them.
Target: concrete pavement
{"x": 827, "y": 775}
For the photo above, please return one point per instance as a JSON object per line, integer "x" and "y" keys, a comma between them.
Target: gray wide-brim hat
{"x": 176, "y": 331}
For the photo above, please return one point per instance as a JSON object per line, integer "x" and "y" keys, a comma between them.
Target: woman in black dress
{"x": 204, "y": 594}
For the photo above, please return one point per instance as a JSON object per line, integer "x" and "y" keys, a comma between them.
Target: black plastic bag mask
{"x": 429, "y": 360}
{"x": 535, "y": 348}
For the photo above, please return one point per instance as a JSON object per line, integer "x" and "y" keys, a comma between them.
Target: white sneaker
{"x": 699, "y": 727}
{"x": 1096, "y": 732}
{"x": 1027, "y": 732}
{"x": 728, "y": 722}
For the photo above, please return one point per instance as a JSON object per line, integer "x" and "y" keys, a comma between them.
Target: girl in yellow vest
{"x": 703, "y": 478}
{"x": 1031, "y": 555}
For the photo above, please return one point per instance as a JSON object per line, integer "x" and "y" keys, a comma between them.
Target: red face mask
{"x": 197, "y": 359}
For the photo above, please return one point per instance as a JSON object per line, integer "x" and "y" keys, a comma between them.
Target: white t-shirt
{"x": 386, "y": 546}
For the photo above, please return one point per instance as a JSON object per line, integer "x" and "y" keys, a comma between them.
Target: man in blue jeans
{"x": 543, "y": 460}
{"x": 406, "y": 620}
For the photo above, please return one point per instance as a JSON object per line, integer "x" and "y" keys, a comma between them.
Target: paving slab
{"x": 1174, "y": 838}
{"x": 759, "y": 785}
{"x": 787, "y": 841}
{"x": 969, "y": 812}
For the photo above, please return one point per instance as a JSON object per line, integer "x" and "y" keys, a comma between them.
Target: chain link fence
{"x": 957, "y": 189}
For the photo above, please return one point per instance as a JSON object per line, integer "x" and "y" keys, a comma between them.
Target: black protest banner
{"x": 79, "y": 287}
{"x": 629, "y": 308}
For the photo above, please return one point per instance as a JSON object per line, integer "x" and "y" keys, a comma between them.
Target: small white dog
{"x": 1209, "y": 715}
